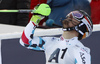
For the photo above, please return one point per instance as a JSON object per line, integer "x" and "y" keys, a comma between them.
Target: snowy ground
{"x": 10, "y": 31}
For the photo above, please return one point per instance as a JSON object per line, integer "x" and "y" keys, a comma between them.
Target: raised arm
{"x": 27, "y": 39}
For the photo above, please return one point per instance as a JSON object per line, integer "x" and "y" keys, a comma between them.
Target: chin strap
{"x": 77, "y": 28}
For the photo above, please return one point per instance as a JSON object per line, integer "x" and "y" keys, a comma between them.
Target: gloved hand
{"x": 40, "y": 11}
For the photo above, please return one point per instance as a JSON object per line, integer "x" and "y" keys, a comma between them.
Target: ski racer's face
{"x": 70, "y": 22}
{"x": 72, "y": 19}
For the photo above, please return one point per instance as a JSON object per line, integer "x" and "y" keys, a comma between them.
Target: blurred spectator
{"x": 33, "y": 4}
{"x": 14, "y": 18}
{"x": 60, "y": 8}
{"x": 95, "y": 11}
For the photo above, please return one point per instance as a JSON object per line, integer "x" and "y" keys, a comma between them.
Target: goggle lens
{"x": 77, "y": 15}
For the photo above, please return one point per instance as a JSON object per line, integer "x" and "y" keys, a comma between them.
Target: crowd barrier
{"x": 13, "y": 53}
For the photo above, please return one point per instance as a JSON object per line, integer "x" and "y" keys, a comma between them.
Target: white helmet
{"x": 85, "y": 27}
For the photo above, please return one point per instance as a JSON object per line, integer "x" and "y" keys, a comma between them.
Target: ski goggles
{"x": 77, "y": 15}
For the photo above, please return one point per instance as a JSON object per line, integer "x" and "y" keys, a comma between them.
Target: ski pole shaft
{"x": 17, "y": 11}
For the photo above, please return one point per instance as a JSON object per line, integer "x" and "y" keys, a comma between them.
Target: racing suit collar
{"x": 67, "y": 40}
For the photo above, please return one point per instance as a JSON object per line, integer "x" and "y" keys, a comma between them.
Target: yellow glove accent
{"x": 43, "y": 9}
{"x": 36, "y": 19}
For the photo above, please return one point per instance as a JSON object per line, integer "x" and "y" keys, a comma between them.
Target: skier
{"x": 66, "y": 49}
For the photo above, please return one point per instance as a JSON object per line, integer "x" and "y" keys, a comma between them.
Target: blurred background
{"x": 12, "y": 25}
